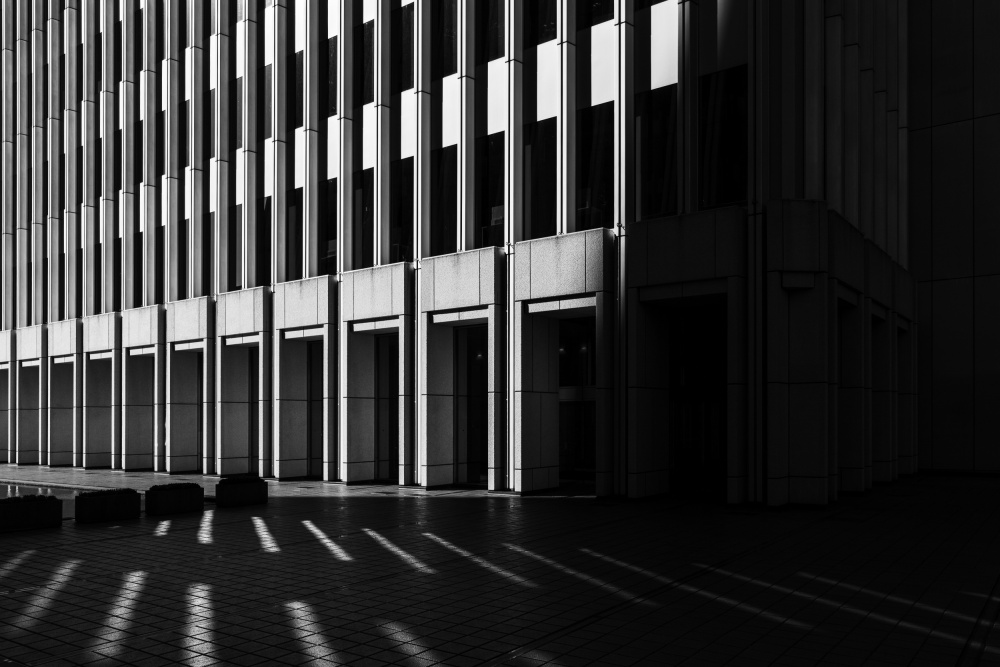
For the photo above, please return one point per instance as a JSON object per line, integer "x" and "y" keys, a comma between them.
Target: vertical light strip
{"x": 15, "y": 562}
{"x": 304, "y": 622}
{"x": 163, "y": 527}
{"x": 200, "y": 617}
{"x": 267, "y": 542}
{"x": 205, "y": 529}
{"x": 9, "y": 176}
{"x": 122, "y": 612}
{"x": 45, "y": 598}
{"x": 326, "y": 541}
{"x": 407, "y": 558}
{"x": 482, "y": 562}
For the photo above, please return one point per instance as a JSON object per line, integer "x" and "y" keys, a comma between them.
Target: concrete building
{"x": 649, "y": 246}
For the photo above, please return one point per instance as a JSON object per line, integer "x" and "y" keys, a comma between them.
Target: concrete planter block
{"x": 238, "y": 491}
{"x": 25, "y": 513}
{"x": 111, "y": 505}
{"x": 174, "y": 499}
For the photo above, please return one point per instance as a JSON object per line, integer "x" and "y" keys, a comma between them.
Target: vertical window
{"x": 160, "y": 27}
{"x": 328, "y": 77}
{"x": 293, "y": 236}
{"x": 364, "y": 58}
{"x": 207, "y": 229}
{"x": 160, "y": 144}
{"x": 234, "y": 251}
{"x": 210, "y": 125}
{"x": 444, "y": 46}
{"x": 118, "y": 50}
{"x": 444, "y": 200}
{"x": 138, "y": 44}
{"x": 118, "y": 160}
{"x": 401, "y": 211}
{"x": 595, "y": 171}
{"x": 97, "y": 173}
{"x": 297, "y": 101}
{"x": 264, "y": 241}
{"x": 402, "y": 51}
{"x": 489, "y": 39}
{"x": 489, "y": 191}
{"x": 99, "y": 60}
{"x": 722, "y": 103}
{"x": 183, "y": 109}
{"x": 363, "y": 229}
{"x": 266, "y": 122}
{"x": 182, "y": 259}
{"x": 592, "y": 12}
{"x": 540, "y": 179}
{"x": 540, "y": 22}
{"x": 326, "y": 242}
{"x": 237, "y": 120}
{"x": 158, "y": 266}
{"x": 656, "y": 152}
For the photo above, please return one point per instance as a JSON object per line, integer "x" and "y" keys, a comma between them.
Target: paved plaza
{"x": 374, "y": 575}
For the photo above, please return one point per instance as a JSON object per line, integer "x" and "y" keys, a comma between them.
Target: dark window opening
{"x": 363, "y": 236}
{"x": 489, "y": 33}
{"x": 656, "y": 153}
{"x": 328, "y": 77}
{"x": 540, "y": 179}
{"x": 401, "y": 211}
{"x": 236, "y": 121}
{"x": 160, "y": 145}
{"x": 444, "y": 200}
{"x": 184, "y": 109}
{"x": 444, "y": 46}
{"x": 723, "y": 137}
{"x": 489, "y": 190}
{"x": 234, "y": 252}
{"x": 293, "y": 236}
{"x": 364, "y": 62}
{"x": 118, "y": 160}
{"x": 264, "y": 225}
{"x": 595, "y": 169}
{"x": 326, "y": 242}
{"x": 592, "y": 12}
{"x": 402, "y": 48}
{"x": 540, "y": 22}
{"x": 182, "y": 259}
{"x": 158, "y": 275}
{"x": 207, "y": 254}
{"x": 210, "y": 125}
{"x": 297, "y": 103}
{"x": 266, "y": 103}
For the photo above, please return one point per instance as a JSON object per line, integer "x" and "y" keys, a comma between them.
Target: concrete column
{"x": 687, "y": 106}
{"x": 566, "y": 120}
{"x": 71, "y": 215}
{"x": 625, "y": 115}
{"x": 282, "y": 44}
{"x": 54, "y": 146}
{"x": 312, "y": 123}
{"x": 9, "y": 142}
{"x": 604, "y": 326}
{"x": 267, "y": 458}
{"x": 195, "y": 177}
{"x": 422, "y": 160}
{"x": 24, "y": 166}
{"x": 208, "y": 413}
{"x": 331, "y": 452}
{"x": 149, "y": 212}
{"x": 107, "y": 230}
{"x": 132, "y": 269}
{"x": 221, "y": 167}
{"x": 467, "y": 131}
{"x": 252, "y": 181}
{"x": 39, "y": 174}
{"x": 172, "y": 204}
{"x": 737, "y": 392}
{"x": 90, "y": 116}
{"x": 345, "y": 116}
{"x": 884, "y": 463}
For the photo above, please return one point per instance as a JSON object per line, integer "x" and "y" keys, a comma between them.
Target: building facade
{"x": 649, "y": 246}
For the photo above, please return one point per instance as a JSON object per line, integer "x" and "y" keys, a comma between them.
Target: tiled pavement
{"x": 906, "y": 574}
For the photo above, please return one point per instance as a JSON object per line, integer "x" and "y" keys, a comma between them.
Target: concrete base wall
{"x": 64, "y": 413}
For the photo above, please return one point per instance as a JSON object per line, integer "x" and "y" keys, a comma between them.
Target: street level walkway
{"x": 908, "y": 573}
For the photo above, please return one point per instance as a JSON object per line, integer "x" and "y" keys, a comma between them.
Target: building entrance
{"x": 577, "y": 401}
{"x": 696, "y": 411}
{"x": 387, "y": 407}
{"x": 472, "y": 436}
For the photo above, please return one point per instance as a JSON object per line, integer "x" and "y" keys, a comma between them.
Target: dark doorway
{"x": 696, "y": 416}
{"x": 472, "y": 406}
{"x": 253, "y": 405}
{"x": 387, "y": 407}
{"x": 314, "y": 407}
{"x": 577, "y": 402}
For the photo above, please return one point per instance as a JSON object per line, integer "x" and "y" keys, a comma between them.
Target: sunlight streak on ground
{"x": 738, "y": 604}
{"x": 14, "y": 562}
{"x": 124, "y": 605}
{"x": 267, "y": 542}
{"x": 327, "y": 542}
{"x": 866, "y": 613}
{"x": 305, "y": 625}
{"x": 205, "y": 529}
{"x": 413, "y": 561}
{"x": 482, "y": 562}
{"x": 162, "y": 528}
{"x": 611, "y": 588}
{"x": 201, "y": 618}
{"x": 47, "y": 594}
